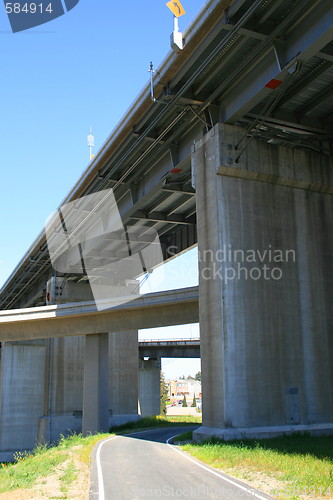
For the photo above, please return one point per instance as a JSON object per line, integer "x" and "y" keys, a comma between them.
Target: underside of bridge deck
{"x": 235, "y": 154}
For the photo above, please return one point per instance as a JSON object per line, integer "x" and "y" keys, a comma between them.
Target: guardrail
{"x": 150, "y": 341}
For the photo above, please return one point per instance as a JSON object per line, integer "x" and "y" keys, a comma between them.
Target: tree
{"x": 163, "y": 394}
{"x": 194, "y": 403}
{"x": 184, "y": 404}
{"x": 198, "y": 376}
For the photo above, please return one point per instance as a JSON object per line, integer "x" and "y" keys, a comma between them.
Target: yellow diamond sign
{"x": 176, "y": 8}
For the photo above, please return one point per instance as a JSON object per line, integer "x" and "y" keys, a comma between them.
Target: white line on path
{"x": 229, "y": 480}
{"x": 100, "y": 480}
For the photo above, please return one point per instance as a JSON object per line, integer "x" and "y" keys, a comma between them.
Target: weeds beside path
{"x": 293, "y": 467}
{"x": 63, "y": 471}
{"x": 60, "y": 472}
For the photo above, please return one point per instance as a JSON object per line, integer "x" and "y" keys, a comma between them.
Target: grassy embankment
{"x": 290, "y": 467}
{"x": 32, "y": 468}
{"x": 67, "y": 461}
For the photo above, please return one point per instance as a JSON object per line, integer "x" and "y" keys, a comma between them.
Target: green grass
{"x": 42, "y": 461}
{"x": 26, "y": 471}
{"x": 68, "y": 477}
{"x": 302, "y": 462}
{"x": 186, "y": 436}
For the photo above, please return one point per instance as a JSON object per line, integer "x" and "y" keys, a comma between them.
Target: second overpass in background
{"x": 175, "y": 348}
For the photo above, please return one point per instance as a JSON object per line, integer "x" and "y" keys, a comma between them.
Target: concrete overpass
{"x": 19, "y": 327}
{"x": 82, "y": 318}
{"x": 235, "y": 155}
{"x": 175, "y": 348}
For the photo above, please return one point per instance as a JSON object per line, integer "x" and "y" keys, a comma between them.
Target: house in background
{"x": 189, "y": 387}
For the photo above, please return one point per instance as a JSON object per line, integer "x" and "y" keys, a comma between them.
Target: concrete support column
{"x": 22, "y": 391}
{"x": 124, "y": 376}
{"x": 63, "y": 388}
{"x": 95, "y": 384}
{"x": 149, "y": 388}
{"x": 265, "y": 240}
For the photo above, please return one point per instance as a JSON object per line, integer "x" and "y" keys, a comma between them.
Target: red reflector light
{"x": 175, "y": 170}
{"x": 272, "y": 84}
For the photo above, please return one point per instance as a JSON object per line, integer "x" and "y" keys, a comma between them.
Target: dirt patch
{"x": 50, "y": 487}
{"x": 275, "y": 487}
{"x": 259, "y": 480}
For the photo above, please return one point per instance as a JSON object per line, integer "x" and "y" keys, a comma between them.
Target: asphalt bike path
{"x": 146, "y": 464}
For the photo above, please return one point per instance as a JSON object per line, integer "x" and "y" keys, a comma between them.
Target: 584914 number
{"x": 28, "y": 8}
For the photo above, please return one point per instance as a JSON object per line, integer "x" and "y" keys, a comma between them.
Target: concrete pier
{"x": 149, "y": 387}
{"x": 96, "y": 384}
{"x": 63, "y": 394}
{"x": 124, "y": 377}
{"x": 21, "y": 396}
{"x": 265, "y": 218}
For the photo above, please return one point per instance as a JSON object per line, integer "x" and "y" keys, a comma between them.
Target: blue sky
{"x": 84, "y": 68}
